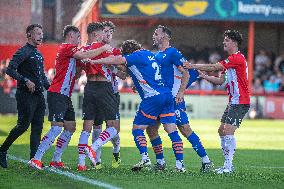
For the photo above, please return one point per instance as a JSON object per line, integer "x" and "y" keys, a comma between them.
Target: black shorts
{"x": 234, "y": 114}
{"x": 99, "y": 102}
{"x": 60, "y": 107}
{"x": 99, "y": 120}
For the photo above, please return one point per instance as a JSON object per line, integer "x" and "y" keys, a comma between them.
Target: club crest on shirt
{"x": 151, "y": 58}
{"x": 227, "y": 61}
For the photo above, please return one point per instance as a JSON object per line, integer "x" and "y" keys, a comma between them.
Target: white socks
{"x": 61, "y": 144}
{"x": 95, "y": 136}
{"x": 205, "y": 159}
{"x": 229, "y": 150}
{"x": 116, "y": 143}
{"x": 47, "y": 141}
{"x": 161, "y": 161}
{"x": 83, "y": 142}
{"x": 144, "y": 156}
{"x": 104, "y": 137}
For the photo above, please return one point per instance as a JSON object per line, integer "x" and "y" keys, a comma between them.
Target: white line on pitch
{"x": 70, "y": 175}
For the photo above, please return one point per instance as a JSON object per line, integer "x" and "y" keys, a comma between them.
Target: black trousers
{"x": 31, "y": 110}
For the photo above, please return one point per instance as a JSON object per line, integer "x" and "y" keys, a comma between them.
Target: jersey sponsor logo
{"x": 182, "y": 60}
{"x": 151, "y": 58}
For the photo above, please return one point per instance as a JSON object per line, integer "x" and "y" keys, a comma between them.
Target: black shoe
{"x": 207, "y": 167}
{"x": 3, "y": 159}
{"x": 142, "y": 164}
{"x": 160, "y": 167}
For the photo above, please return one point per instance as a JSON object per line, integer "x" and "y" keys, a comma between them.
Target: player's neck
{"x": 163, "y": 46}
{"x": 32, "y": 43}
{"x": 233, "y": 51}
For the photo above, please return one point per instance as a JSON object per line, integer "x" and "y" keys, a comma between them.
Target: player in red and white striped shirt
{"x": 61, "y": 111}
{"x": 99, "y": 101}
{"x": 236, "y": 69}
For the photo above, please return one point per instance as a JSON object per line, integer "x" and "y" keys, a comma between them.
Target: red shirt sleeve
{"x": 116, "y": 52}
{"x": 231, "y": 62}
{"x": 70, "y": 50}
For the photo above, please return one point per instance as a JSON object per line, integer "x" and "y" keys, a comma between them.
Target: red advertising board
{"x": 274, "y": 107}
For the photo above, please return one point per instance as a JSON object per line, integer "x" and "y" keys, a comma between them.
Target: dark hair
{"x": 166, "y": 30}
{"x": 31, "y": 27}
{"x": 94, "y": 26}
{"x": 234, "y": 35}
{"x": 109, "y": 24}
{"x": 69, "y": 28}
{"x": 129, "y": 46}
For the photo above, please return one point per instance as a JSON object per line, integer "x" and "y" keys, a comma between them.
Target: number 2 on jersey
{"x": 157, "y": 69}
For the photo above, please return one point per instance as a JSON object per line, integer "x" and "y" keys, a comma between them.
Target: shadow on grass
{"x": 3, "y": 133}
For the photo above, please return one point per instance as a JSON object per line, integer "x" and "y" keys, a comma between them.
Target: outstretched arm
{"x": 109, "y": 60}
{"x": 215, "y": 80}
{"x": 91, "y": 53}
{"x": 204, "y": 67}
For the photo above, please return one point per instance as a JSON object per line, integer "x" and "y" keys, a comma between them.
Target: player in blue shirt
{"x": 176, "y": 78}
{"x": 157, "y": 101}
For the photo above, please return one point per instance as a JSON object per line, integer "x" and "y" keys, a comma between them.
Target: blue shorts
{"x": 159, "y": 106}
{"x": 181, "y": 116}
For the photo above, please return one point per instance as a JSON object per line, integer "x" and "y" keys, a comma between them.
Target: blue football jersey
{"x": 146, "y": 74}
{"x": 171, "y": 59}
{"x": 194, "y": 76}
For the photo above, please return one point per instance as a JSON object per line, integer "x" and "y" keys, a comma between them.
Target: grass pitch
{"x": 259, "y": 160}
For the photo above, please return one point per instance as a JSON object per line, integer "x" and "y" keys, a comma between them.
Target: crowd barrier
{"x": 208, "y": 105}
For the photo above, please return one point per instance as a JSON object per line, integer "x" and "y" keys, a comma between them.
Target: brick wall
{"x": 15, "y": 15}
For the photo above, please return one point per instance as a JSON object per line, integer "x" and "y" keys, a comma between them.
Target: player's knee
{"x": 185, "y": 130}
{"x": 169, "y": 128}
{"x": 71, "y": 129}
{"x": 97, "y": 126}
{"x": 55, "y": 123}
{"x": 220, "y": 131}
{"x": 152, "y": 133}
{"x": 229, "y": 130}
{"x": 87, "y": 126}
{"x": 70, "y": 126}
{"x": 115, "y": 124}
{"x": 141, "y": 127}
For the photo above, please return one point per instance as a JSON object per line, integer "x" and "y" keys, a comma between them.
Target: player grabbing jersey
{"x": 156, "y": 102}
{"x": 61, "y": 111}
{"x": 236, "y": 70}
{"x": 176, "y": 78}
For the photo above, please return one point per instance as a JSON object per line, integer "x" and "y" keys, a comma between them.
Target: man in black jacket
{"x": 27, "y": 68}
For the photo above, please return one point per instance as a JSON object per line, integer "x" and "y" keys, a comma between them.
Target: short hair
{"x": 166, "y": 30}
{"x": 109, "y": 24}
{"x": 69, "y": 28}
{"x": 94, "y": 26}
{"x": 234, "y": 35}
{"x": 31, "y": 27}
{"x": 129, "y": 46}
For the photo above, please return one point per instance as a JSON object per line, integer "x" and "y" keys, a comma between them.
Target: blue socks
{"x": 140, "y": 140}
{"x": 177, "y": 145}
{"x": 196, "y": 145}
{"x": 158, "y": 148}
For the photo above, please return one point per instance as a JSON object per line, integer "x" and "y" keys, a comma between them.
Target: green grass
{"x": 259, "y": 160}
